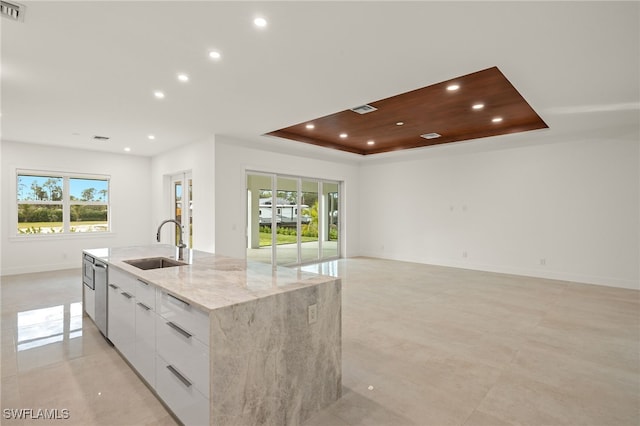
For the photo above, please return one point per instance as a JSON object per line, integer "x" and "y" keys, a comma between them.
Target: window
{"x": 57, "y": 203}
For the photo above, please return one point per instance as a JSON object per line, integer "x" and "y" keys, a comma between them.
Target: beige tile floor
{"x": 422, "y": 345}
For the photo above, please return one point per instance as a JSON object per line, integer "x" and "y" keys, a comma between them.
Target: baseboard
{"x": 39, "y": 268}
{"x": 527, "y": 272}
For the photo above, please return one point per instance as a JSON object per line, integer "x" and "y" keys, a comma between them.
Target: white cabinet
{"x": 121, "y": 308}
{"x": 166, "y": 340}
{"x": 184, "y": 314}
{"x": 181, "y": 349}
{"x": 182, "y": 363}
{"x": 178, "y": 392}
{"x": 145, "y": 341}
{"x": 145, "y": 338}
{"x": 146, "y": 293}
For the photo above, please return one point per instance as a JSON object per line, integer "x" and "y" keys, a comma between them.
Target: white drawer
{"x": 173, "y": 386}
{"x": 145, "y": 358}
{"x": 188, "y": 355}
{"x": 185, "y": 315}
{"x": 146, "y": 293}
{"x": 123, "y": 280}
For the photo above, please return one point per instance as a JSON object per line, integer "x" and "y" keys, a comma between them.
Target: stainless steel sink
{"x": 154, "y": 263}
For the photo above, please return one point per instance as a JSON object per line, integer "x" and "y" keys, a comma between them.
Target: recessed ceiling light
{"x": 400, "y": 123}
{"x": 371, "y": 142}
{"x": 151, "y": 137}
{"x": 127, "y": 149}
{"x": 214, "y": 54}
{"x": 478, "y": 106}
{"x": 158, "y": 94}
{"x": 453, "y": 87}
{"x": 496, "y": 119}
{"x": 310, "y": 126}
{"x": 432, "y": 135}
{"x": 343, "y": 135}
{"x": 260, "y": 22}
{"x": 183, "y": 77}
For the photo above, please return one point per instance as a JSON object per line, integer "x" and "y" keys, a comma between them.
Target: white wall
{"x": 130, "y": 205}
{"x": 233, "y": 160}
{"x": 573, "y": 204}
{"x": 198, "y": 158}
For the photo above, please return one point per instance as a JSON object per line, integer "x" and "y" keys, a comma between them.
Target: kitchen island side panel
{"x": 269, "y": 364}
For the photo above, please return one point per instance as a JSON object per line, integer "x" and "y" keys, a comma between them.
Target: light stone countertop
{"x": 211, "y": 281}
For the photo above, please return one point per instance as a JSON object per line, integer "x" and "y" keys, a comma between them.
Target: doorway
{"x": 182, "y": 206}
{"x": 292, "y": 220}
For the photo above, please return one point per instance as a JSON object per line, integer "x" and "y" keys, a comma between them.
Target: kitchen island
{"x": 223, "y": 341}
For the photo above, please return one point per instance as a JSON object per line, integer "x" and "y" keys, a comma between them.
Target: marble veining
{"x": 269, "y": 363}
{"x": 279, "y": 369}
{"x": 211, "y": 281}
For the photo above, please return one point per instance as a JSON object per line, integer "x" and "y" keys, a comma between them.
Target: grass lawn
{"x": 29, "y": 225}
{"x": 265, "y": 239}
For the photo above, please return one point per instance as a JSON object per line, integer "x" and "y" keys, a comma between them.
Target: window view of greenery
{"x": 286, "y": 218}
{"x": 42, "y": 200}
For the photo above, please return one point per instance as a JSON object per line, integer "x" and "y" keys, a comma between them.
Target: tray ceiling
{"x": 472, "y": 106}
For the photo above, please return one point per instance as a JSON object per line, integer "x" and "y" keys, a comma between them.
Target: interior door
{"x": 182, "y": 206}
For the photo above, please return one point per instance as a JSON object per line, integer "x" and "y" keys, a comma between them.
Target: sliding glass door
{"x": 309, "y": 248}
{"x": 286, "y": 224}
{"x": 291, "y": 220}
{"x": 329, "y": 211}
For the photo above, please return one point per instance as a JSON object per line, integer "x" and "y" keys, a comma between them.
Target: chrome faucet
{"x": 181, "y": 245}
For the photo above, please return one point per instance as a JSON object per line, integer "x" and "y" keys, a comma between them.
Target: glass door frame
{"x": 186, "y": 214}
{"x": 274, "y": 216}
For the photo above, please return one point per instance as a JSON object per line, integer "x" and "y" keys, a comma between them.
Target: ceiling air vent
{"x": 364, "y": 109}
{"x": 100, "y": 138}
{"x": 13, "y": 11}
{"x": 431, "y": 135}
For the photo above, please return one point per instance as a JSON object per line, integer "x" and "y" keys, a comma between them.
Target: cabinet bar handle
{"x": 179, "y": 329}
{"x": 113, "y": 286}
{"x": 99, "y": 265}
{"x": 127, "y": 295}
{"x": 183, "y": 379}
{"x": 179, "y": 300}
{"x": 145, "y": 307}
{"x": 145, "y": 283}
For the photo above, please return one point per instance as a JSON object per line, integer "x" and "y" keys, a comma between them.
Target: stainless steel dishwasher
{"x": 100, "y": 274}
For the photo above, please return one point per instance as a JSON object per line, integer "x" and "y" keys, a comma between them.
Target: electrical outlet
{"x": 312, "y": 313}
{"x": 543, "y": 262}
{"x": 464, "y": 254}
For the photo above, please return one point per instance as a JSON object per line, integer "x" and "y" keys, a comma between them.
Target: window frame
{"x": 66, "y": 203}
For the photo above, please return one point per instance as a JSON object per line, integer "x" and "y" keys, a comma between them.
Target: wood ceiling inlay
{"x": 431, "y": 109}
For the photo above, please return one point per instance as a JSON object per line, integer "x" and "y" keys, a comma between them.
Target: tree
{"x": 38, "y": 193}
{"x": 88, "y": 194}
{"x": 21, "y": 188}
{"x": 311, "y": 228}
{"x": 103, "y": 195}
{"x": 55, "y": 191}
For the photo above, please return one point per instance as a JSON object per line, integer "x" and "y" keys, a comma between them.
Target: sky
{"x": 76, "y": 185}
